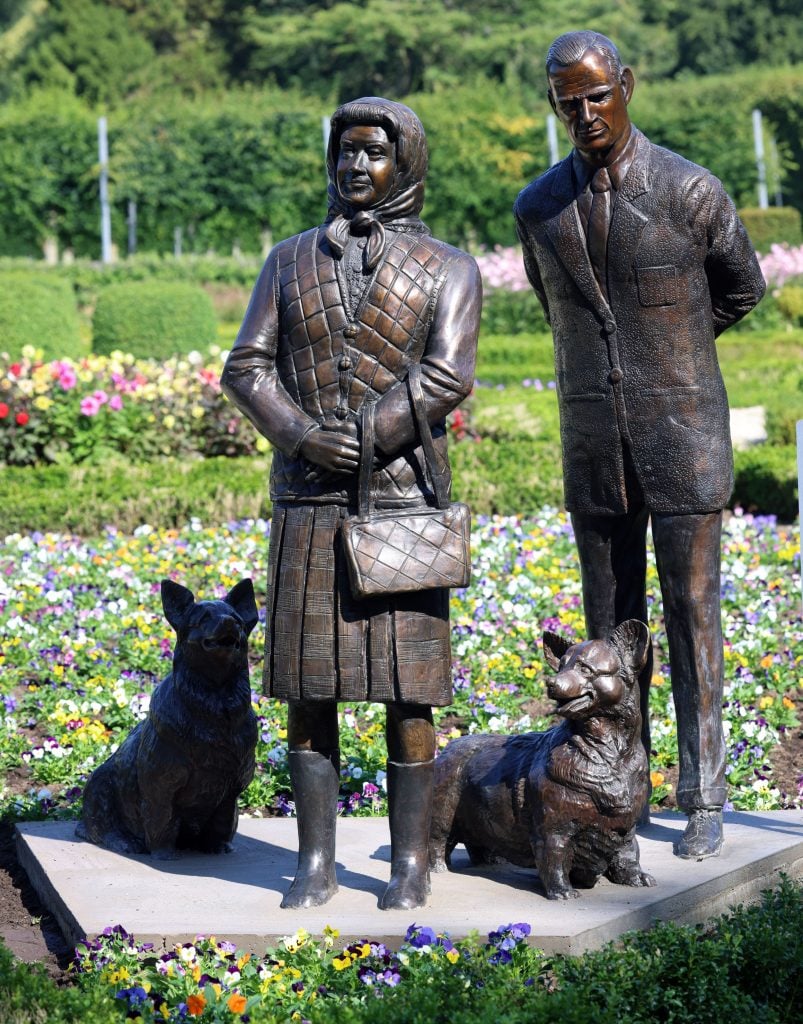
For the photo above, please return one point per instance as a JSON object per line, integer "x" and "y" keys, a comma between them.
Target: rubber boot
{"x": 410, "y": 803}
{"x": 316, "y": 782}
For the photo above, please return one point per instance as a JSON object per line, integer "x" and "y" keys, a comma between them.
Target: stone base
{"x": 236, "y": 896}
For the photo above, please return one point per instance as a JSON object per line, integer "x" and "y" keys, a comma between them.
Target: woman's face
{"x": 366, "y": 165}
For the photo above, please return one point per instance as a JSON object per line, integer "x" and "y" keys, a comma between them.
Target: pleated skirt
{"x": 323, "y": 644}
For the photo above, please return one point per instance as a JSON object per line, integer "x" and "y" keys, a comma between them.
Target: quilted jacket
{"x": 304, "y": 358}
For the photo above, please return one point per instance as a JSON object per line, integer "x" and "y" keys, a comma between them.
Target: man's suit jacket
{"x": 642, "y": 365}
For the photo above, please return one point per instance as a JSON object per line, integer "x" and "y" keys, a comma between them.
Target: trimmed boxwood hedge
{"x": 166, "y": 492}
{"x": 519, "y": 475}
{"x": 153, "y": 319}
{"x": 39, "y": 310}
{"x": 775, "y": 224}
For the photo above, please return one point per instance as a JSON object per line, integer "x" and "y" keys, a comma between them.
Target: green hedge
{"x": 166, "y": 492}
{"x": 506, "y": 312}
{"x": 519, "y": 475}
{"x": 766, "y": 481}
{"x": 153, "y": 319}
{"x": 41, "y": 311}
{"x": 512, "y": 359}
{"x": 790, "y": 302}
{"x": 775, "y": 224}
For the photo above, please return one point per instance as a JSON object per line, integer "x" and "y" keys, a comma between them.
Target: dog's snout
{"x": 228, "y": 634}
{"x": 566, "y": 684}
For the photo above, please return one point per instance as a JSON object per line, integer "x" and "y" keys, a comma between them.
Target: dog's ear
{"x": 555, "y": 647}
{"x": 631, "y": 641}
{"x": 241, "y": 598}
{"x": 176, "y": 601}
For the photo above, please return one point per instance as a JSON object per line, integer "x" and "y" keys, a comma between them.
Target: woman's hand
{"x": 335, "y": 448}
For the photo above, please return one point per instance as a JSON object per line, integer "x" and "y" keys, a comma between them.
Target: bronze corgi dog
{"x": 174, "y": 782}
{"x": 565, "y": 801}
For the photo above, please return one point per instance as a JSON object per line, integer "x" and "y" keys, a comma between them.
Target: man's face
{"x": 366, "y": 165}
{"x": 592, "y": 104}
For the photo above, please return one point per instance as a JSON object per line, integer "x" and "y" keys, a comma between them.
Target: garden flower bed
{"x": 83, "y": 642}
{"x": 86, "y": 410}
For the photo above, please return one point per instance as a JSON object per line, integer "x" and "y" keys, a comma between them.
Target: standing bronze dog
{"x": 567, "y": 800}
{"x": 174, "y": 782}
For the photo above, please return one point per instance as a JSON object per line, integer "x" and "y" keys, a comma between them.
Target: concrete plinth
{"x": 236, "y": 896}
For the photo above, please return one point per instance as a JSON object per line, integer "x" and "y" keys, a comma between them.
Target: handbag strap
{"x": 425, "y": 433}
{"x": 365, "y": 502}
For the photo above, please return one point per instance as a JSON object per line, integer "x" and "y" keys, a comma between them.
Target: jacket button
{"x": 350, "y": 331}
{"x": 615, "y": 375}
{"x": 610, "y": 326}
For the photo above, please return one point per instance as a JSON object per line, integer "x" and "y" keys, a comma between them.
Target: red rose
{"x": 4, "y": 410}
{"x": 16, "y": 369}
{"x": 22, "y": 418}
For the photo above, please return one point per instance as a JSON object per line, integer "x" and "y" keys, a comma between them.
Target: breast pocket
{"x": 657, "y": 286}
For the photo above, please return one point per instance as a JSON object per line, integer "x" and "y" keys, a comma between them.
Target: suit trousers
{"x": 613, "y": 563}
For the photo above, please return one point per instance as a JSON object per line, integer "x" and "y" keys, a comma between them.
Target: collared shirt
{"x": 583, "y": 172}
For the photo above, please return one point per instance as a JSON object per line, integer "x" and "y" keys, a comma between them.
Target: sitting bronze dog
{"x": 567, "y": 800}
{"x": 174, "y": 782}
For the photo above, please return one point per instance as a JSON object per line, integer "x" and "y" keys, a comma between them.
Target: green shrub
{"x": 166, "y": 492}
{"x": 38, "y": 310}
{"x": 790, "y": 303}
{"x": 518, "y": 475}
{"x": 773, "y": 225}
{"x": 505, "y": 312}
{"x": 29, "y": 996}
{"x": 513, "y": 358}
{"x": 766, "y": 481}
{"x": 153, "y": 319}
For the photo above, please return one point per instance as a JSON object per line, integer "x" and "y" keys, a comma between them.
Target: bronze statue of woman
{"x": 338, "y": 315}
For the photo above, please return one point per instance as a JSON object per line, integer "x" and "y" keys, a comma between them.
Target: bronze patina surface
{"x": 337, "y": 317}
{"x": 567, "y": 800}
{"x": 174, "y": 781}
{"x": 640, "y": 261}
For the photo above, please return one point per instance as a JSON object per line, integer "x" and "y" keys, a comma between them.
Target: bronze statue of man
{"x": 639, "y": 260}
{"x": 337, "y": 317}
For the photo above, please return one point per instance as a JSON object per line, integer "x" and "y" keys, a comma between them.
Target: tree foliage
{"x": 215, "y": 106}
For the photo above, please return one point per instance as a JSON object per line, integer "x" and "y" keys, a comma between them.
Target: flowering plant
{"x": 212, "y": 980}
{"x": 782, "y": 264}
{"x": 85, "y": 411}
{"x": 83, "y": 643}
{"x": 503, "y": 267}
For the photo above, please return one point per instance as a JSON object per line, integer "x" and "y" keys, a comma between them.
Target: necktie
{"x": 598, "y": 220}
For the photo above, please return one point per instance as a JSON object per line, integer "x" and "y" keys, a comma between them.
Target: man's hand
{"x": 335, "y": 449}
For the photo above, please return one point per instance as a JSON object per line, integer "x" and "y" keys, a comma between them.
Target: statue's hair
{"x": 402, "y": 126}
{"x": 570, "y": 48}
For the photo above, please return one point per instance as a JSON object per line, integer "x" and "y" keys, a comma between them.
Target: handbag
{"x": 398, "y": 551}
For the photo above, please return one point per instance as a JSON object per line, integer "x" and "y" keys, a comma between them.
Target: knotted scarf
{"x": 401, "y": 206}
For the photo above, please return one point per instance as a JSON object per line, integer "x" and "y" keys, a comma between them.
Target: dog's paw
{"x": 562, "y": 894}
{"x": 165, "y": 853}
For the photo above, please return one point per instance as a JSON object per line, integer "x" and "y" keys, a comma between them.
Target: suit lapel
{"x": 628, "y": 222}
{"x": 565, "y": 231}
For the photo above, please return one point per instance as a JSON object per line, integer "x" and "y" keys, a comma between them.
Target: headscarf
{"x": 405, "y": 197}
